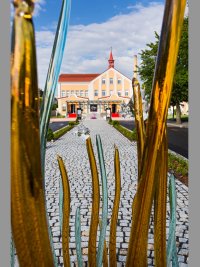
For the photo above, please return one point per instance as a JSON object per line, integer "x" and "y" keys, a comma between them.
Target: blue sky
{"x": 95, "y": 26}
{"x": 85, "y": 11}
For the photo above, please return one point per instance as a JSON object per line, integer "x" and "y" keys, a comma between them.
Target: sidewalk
{"x": 182, "y": 125}
{"x": 61, "y": 119}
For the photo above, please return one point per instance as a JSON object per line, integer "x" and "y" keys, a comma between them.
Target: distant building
{"x": 184, "y": 109}
{"x": 94, "y": 92}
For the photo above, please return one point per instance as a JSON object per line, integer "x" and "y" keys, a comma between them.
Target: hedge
{"x": 61, "y": 132}
{"x": 131, "y": 135}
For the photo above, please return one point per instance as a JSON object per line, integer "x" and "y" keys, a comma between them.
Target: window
{"x": 111, "y": 92}
{"x": 119, "y": 93}
{"x": 119, "y": 81}
{"x": 126, "y": 93}
{"x": 81, "y": 93}
{"x": 63, "y": 107}
{"x": 67, "y": 93}
{"x": 72, "y": 92}
{"x": 78, "y": 93}
{"x": 111, "y": 80}
{"x": 103, "y": 93}
{"x": 95, "y": 92}
{"x": 86, "y": 93}
{"x": 103, "y": 81}
{"x": 63, "y": 93}
{"x": 93, "y": 108}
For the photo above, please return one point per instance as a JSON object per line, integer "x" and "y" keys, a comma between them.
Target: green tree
{"x": 180, "y": 83}
{"x": 147, "y": 66}
{"x": 54, "y": 106}
{"x": 131, "y": 106}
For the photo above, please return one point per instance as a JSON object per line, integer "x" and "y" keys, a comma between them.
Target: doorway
{"x": 113, "y": 108}
{"x": 73, "y": 110}
{"x": 93, "y": 108}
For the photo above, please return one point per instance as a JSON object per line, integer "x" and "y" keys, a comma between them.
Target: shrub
{"x": 62, "y": 131}
{"x": 59, "y": 133}
{"x": 54, "y": 106}
{"x": 177, "y": 164}
{"x": 58, "y": 116}
{"x": 50, "y": 135}
{"x": 134, "y": 134}
{"x": 115, "y": 123}
{"x": 131, "y": 135}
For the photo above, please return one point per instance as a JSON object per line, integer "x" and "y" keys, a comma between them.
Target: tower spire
{"x": 111, "y": 60}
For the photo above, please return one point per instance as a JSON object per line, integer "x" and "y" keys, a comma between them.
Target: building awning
{"x": 109, "y": 101}
{"x": 101, "y": 100}
{"x": 113, "y": 98}
{"x": 75, "y": 98}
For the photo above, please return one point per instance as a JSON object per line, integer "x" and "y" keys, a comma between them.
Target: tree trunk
{"x": 178, "y": 113}
{"x": 173, "y": 112}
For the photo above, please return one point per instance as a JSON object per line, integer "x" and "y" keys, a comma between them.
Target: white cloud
{"x": 39, "y": 7}
{"x": 88, "y": 47}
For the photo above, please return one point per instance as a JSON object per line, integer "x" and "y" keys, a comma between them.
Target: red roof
{"x": 77, "y": 77}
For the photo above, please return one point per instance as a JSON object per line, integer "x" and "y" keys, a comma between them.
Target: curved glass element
{"x": 53, "y": 73}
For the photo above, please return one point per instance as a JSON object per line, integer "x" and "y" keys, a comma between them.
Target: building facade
{"x": 94, "y": 93}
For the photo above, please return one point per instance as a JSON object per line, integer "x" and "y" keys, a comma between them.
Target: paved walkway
{"x": 73, "y": 151}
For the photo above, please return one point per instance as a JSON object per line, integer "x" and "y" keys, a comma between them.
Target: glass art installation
{"x": 31, "y": 234}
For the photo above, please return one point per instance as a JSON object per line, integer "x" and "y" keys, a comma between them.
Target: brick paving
{"x": 72, "y": 149}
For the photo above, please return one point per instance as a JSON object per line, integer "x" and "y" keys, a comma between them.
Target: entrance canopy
{"x": 114, "y": 99}
{"x": 74, "y": 99}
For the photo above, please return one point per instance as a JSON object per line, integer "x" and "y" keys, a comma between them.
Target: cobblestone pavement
{"x": 73, "y": 151}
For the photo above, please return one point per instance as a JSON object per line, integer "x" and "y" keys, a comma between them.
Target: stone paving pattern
{"x": 73, "y": 151}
